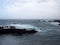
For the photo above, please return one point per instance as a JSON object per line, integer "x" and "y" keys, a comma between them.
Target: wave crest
{"x": 25, "y": 26}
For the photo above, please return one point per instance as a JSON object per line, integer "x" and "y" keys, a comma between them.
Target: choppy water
{"x": 49, "y": 35}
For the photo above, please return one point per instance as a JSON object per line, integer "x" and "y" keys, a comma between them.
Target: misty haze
{"x": 29, "y": 22}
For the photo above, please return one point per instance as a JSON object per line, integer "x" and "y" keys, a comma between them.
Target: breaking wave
{"x": 25, "y": 26}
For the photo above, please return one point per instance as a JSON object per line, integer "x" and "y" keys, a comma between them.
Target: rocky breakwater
{"x": 14, "y": 30}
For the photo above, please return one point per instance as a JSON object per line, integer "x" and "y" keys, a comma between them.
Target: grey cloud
{"x": 37, "y": 8}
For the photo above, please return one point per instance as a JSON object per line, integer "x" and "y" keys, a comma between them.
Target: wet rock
{"x": 57, "y": 21}
{"x": 13, "y": 30}
{"x": 1, "y": 28}
{"x": 12, "y": 27}
{"x": 6, "y": 27}
{"x": 59, "y": 24}
{"x": 31, "y": 31}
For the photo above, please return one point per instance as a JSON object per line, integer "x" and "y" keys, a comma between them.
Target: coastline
{"x": 13, "y": 30}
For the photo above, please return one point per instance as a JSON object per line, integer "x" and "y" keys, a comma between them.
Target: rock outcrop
{"x": 13, "y": 30}
{"x": 57, "y": 21}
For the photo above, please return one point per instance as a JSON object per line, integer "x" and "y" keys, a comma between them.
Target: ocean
{"x": 49, "y": 34}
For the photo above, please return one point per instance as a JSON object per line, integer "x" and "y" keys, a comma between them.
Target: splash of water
{"x": 25, "y": 26}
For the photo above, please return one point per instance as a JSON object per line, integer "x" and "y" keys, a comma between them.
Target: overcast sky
{"x": 29, "y": 9}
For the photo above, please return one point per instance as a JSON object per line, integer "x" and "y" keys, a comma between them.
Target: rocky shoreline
{"x": 57, "y": 21}
{"x": 13, "y": 30}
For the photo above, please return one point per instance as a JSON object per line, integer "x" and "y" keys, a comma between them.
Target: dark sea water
{"x": 49, "y": 35}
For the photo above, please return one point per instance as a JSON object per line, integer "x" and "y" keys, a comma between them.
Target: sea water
{"x": 48, "y": 34}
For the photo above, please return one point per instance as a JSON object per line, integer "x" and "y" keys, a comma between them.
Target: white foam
{"x": 25, "y": 26}
{"x": 21, "y": 26}
{"x": 39, "y": 30}
{"x": 55, "y": 23}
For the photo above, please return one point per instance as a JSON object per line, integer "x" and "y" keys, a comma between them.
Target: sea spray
{"x": 25, "y": 26}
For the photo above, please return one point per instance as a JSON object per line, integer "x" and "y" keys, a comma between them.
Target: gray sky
{"x": 29, "y": 9}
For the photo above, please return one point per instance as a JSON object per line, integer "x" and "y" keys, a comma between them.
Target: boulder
{"x": 59, "y": 24}
{"x": 57, "y": 21}
{"x": 1, "y": 28}
{"x": 12, "y": 27}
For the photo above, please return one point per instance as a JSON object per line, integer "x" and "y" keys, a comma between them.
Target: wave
{"x": 25, "y": 26}
{"x": 55, "y": 23}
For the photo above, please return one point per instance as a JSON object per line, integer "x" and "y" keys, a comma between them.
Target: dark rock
{"x": 59, "y": 24}
{"x": 1, "y": 28}
{"x": 12, "y": 27}
{"x": 57, "y": 21}
{"x": 13, "y": 30}
{"x": 31, "y": 31}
